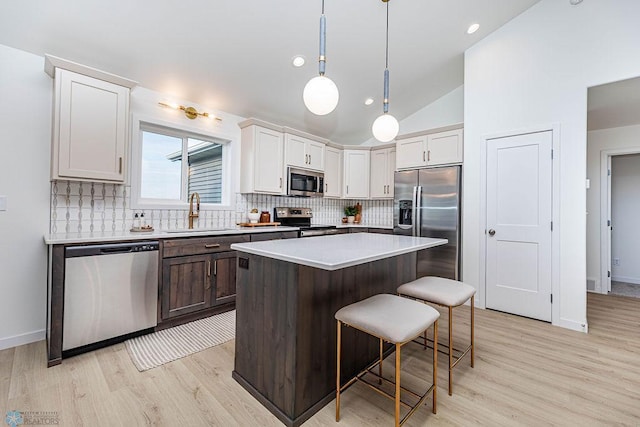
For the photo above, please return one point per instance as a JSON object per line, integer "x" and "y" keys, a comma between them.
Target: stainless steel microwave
{"x": 305, "y": 183}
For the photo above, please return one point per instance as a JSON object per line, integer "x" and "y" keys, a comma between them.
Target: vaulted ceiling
{"x": 236, "y": 56}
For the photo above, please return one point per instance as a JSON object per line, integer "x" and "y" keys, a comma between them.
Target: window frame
{"x": 141, "y": 124}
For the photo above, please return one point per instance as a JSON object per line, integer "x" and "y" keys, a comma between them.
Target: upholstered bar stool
{"x": 395, "y": 320}
{"x": 447, "y": 293}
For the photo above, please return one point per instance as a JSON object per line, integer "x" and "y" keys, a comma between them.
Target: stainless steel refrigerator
{"x": 427, "y": 204}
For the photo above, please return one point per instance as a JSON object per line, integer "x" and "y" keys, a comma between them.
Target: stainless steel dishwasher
{"x": 109, "y": 290}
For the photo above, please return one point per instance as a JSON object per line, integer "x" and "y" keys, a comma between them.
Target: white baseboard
{"x": 573, "y": 325}
{"x": 632, "y": 280}
{"x": 22, "y": 339}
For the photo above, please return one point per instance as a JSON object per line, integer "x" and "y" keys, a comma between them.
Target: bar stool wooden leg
{"x": 339, "y": 339}
{"x": 450, "y": 347}
{"x": 398, "y": 385}
{"x": 435, "y": 364}
{"x": 472, "y": 346}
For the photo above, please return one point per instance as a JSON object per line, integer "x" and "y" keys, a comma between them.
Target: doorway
{"x": 613, "y": 142}
{"x": 621, "y": 233}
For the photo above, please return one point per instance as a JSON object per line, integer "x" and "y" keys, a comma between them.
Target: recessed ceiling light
{"x": 368, "y": 101}
{"x": 575, "y": 2}
{"x": 473, "y": 28}
{"x": 298, "y": 61}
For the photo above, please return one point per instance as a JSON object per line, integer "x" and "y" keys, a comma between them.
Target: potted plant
{"x": 350, "y": 212}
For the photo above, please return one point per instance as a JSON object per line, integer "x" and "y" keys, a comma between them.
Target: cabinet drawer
{"x": 200, "y": 245}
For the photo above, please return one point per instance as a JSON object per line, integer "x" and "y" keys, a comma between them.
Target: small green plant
{"x": 350, "y": 211}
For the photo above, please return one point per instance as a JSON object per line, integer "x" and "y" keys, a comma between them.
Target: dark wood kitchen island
{"x": 287, "y": 294}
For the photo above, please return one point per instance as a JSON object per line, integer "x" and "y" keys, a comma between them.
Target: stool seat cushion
{"x": 390, "y": 317}
{"x": 438, "y": 290}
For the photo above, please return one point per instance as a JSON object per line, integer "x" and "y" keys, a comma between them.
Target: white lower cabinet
{"x": 356, "y": 174}
{"x": 383, "y": 166}
{"x": 332, "y": 172}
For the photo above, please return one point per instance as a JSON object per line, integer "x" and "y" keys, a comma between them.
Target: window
{"x": 174, "y": 163}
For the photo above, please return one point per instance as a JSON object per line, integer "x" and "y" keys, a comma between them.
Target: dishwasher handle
{"x": 110, "y": 249}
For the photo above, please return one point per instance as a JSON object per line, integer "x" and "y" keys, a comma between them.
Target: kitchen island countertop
{"x": 335, "y": 252}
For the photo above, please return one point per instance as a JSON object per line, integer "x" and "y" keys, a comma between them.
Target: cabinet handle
{"x": 326, "y": 187}
{"x": 212, "y": 245}
{"x": 215, "y": 268}
{"x": 347, "y": 189}
{"x": 429, "y": 156}
{"x": 309, "y": 158}
{"x": 424, "y": 155}
{"x": 280, "y": 182}
{"x": 208, "y": 271}
{"x": 120, "y": 167}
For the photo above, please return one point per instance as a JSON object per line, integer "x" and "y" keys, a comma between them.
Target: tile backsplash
{"x": 78, "y": 207}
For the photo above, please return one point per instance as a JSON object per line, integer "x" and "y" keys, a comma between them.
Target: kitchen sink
{"x": 198, "y": 230}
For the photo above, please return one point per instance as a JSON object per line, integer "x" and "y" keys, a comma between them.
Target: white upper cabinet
{"x": 262, "y": 151}
{"x": 333, "y": 173}
{"x": 429, "y": 150}
{"x": 356, "y": 174}
{"x": 90, "y": 125}
{"x": 411, "y": 152}
{"x": 383, "y": 166}
{"x": 444, "y": 148}
{"x": 304, "y": 152}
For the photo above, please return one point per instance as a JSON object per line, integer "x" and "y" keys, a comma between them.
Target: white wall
{"x": 25, "y": 132}
{"x": 625, "y": 206}
{"x": 598, "y": 140}
{"x": 444, "y": 111}
{"x": 535, "y": 71}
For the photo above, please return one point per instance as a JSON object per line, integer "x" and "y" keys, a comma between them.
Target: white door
{"x": 519, "y": 194}
{"x": 606, "y": 247}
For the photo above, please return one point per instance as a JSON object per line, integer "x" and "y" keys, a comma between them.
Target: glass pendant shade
{"x": 320, "y": 95}
{"x": 385, "y": 128}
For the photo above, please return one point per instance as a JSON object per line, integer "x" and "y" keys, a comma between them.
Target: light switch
{"x": 3, "y": 203}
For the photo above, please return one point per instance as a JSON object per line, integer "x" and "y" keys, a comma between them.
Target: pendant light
{"x": 320, "y": 95}
{"x": 386, "y": 127}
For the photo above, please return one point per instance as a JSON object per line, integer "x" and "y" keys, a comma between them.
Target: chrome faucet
{"x": 193, "y": 215}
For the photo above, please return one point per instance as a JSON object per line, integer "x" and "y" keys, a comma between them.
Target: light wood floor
{"x": 527, "y": 373}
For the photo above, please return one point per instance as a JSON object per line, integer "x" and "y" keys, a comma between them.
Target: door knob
{"x": 492, "y": 232}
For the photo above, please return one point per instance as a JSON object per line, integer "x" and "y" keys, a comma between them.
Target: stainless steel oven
{"x": 305, "y": 183}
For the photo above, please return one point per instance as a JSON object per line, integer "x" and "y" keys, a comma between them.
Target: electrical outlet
{"x": 616, "y": 261}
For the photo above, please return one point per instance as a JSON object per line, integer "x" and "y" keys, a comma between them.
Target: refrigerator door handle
{"x": 418, "y": 209}
{"x": 415, "y": 229}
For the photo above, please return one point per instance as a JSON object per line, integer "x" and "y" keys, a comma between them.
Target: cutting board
{"x": 258, "y": 224}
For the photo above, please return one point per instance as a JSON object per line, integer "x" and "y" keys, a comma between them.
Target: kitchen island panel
{"x": 286, "y": 336}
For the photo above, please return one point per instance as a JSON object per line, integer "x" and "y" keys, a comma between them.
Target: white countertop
{"x": 338, "y": 251}
{"x": 112, "y": 236}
